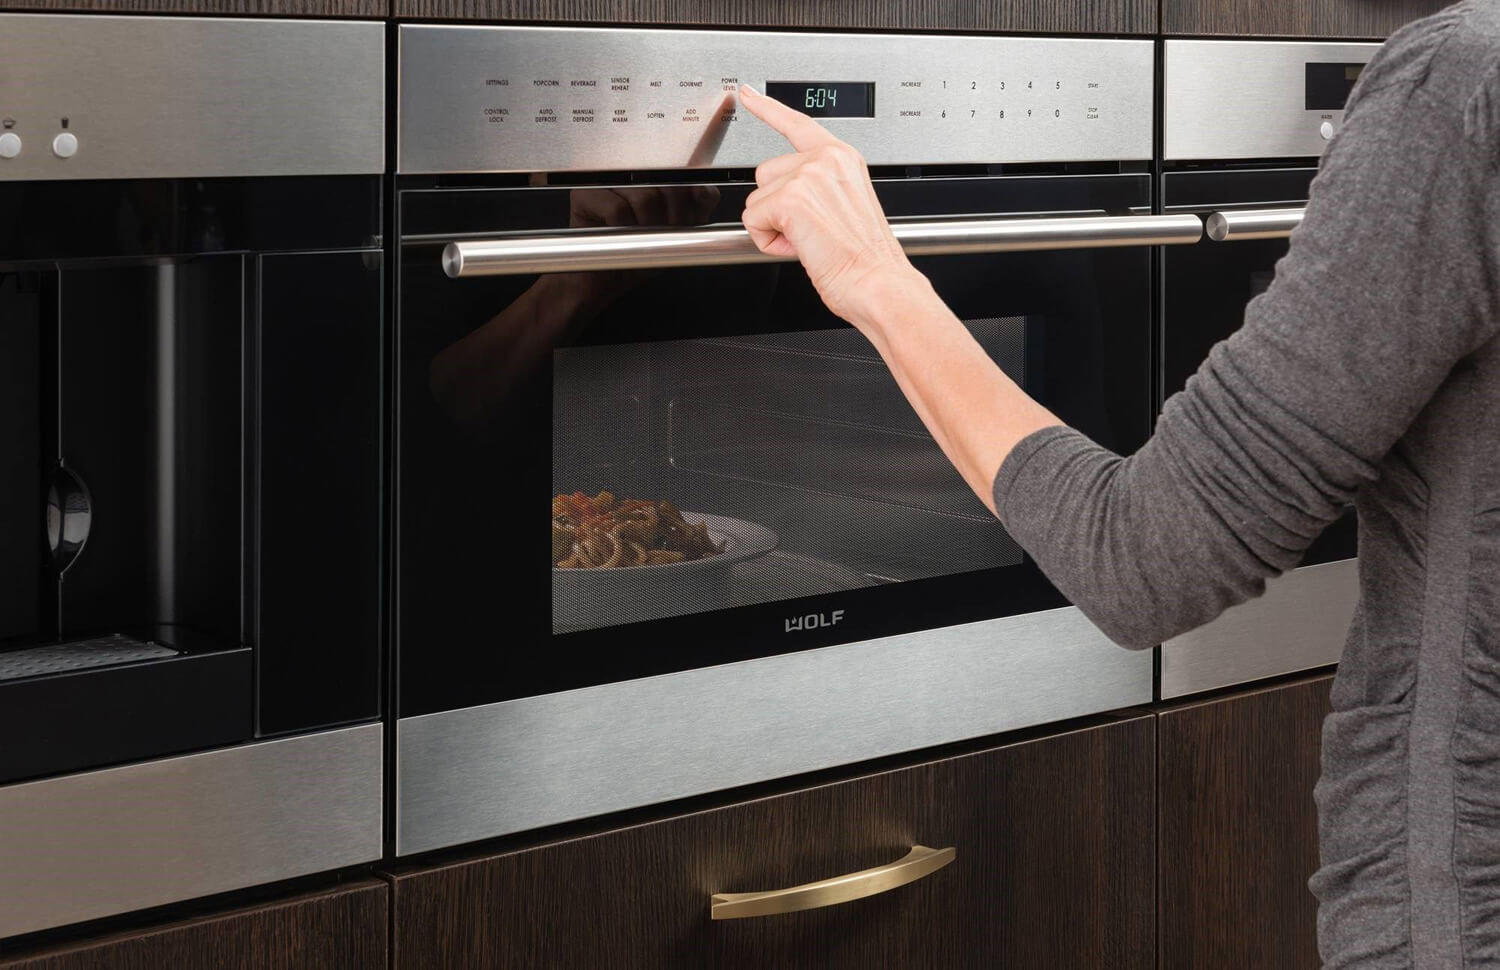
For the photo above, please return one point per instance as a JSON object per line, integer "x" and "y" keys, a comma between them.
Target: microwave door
{"x": 729, "y": 464}
{"x": 738, "y": 492}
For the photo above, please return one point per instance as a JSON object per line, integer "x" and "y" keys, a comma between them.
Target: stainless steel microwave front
{"x": 491, "y": 770}
{"x": 600, "y": 333}
{"x": 495, "y": 99}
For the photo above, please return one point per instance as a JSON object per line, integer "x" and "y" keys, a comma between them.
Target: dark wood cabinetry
{"x": 1054, "y": 867}
{"x": 370, "y": 9}
{"x": 1239, "y": 832}
{"x": 1354, "y": 19}
{"x": 339, "y": 929}
{"x": 1177, "y": 840}
{"x": 1053, "y": 16}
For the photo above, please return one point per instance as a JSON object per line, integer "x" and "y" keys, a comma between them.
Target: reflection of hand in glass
{"x": 656, "y": 205}
{"x": 471, "y": 378}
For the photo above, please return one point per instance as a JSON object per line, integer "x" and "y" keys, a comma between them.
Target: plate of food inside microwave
{"x": 625, "y": 560}
{"x": 607, "y": 536}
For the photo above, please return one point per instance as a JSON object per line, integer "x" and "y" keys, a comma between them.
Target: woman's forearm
{"x": 973, "y": 409}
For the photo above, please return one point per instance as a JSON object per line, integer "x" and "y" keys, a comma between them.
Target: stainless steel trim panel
{"x": 722, "y": 247}
{"x": 1232, "y": 225}
{"x": 499, "y": 768}
{"x": 103, "y": 842}
{"x": 1301, "y": 622}
{"x": 1246, "y": 98}
{"x": 501, "y": 99}
{"x": 178, "y": 97}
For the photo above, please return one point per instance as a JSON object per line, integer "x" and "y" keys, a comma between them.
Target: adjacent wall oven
{"x": 760, "y": 562}
{"x": 1243, "y": 125}
{"x": 190, "y": 414}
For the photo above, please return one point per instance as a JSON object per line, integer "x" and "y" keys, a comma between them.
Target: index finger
{"x": 803, "y": 132}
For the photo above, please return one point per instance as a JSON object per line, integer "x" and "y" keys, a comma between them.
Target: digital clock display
{"x": 1328, "y": 85}
{"x": 826, "y": 99}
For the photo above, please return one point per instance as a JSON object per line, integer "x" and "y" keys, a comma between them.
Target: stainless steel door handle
{"x": 595, "y": 252}
{"x": 1233, "y": 225}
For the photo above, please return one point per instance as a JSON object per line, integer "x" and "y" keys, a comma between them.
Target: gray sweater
{"x": 1369, "y": 372}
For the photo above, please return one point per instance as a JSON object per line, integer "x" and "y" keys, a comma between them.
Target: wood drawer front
{"x": 1054, "y": 867}
{"x": 340, "y": 929}
{"x": 1239, "y": 830}
{"x": 1354, "y": 19}
{"x": 1046, "y": 16}
{"x": 370, "y": 9}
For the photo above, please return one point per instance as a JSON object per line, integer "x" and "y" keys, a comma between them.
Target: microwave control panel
{"x": 536, "y": 99}
{"x": 1230, "y": 99}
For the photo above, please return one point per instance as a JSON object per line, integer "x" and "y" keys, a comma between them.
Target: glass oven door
{"x": 733, "y": 473}
{"x": 1302, "y": 619}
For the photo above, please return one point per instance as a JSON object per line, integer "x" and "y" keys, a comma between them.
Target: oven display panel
{"x": 1329, "y": 85}
{"x": 826, "y": 99}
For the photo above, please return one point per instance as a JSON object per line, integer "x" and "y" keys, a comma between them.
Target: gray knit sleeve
{"x": 1390, "y": 281}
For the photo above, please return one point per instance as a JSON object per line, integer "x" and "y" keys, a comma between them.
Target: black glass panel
{"x": 146, "y": 455}
{"x": 160, "y": 217}
{"x": 1329, "y": 85}
{"x": 120, "y": 508}
{"x": 318, "y": 639}
{"x": 734, "y": 395}
{"x": 438, "y": 214}
{"x": 1207, "y": 286}
{"x": 94, "y": 717}
{"x": 1205, "y": 189}
{"x": 169, "y": 413}
{"x": 22, "y": 299}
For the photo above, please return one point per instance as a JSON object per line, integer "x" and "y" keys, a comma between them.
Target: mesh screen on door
{"x": 796, "y": 450}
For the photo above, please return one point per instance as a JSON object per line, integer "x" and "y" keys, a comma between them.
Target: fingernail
{"x": 745, "y": 88}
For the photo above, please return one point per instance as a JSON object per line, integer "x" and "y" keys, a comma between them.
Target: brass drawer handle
{"x": 920, "y": 861}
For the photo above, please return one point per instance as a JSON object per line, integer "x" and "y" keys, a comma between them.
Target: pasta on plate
{"x": 602, "y": 532}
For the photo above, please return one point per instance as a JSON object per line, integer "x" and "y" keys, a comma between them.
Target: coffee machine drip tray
{"x": 56, "y": 658}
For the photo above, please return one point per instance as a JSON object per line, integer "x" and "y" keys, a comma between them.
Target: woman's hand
{"x": 818, "y": 204}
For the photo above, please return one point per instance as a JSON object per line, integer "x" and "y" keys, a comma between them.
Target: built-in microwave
{"x": 1244, "y": 123}
{"x": 662, "y": 524}
{"x": 191, "y": 421}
